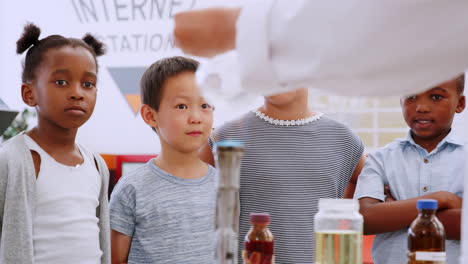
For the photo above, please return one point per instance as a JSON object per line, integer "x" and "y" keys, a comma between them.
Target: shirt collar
{"x": 449, "y": 139}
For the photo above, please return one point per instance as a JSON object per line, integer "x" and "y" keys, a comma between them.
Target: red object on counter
{"x": 259, "y": 242}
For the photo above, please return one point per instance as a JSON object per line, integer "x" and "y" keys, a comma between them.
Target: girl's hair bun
{"x": 29, "y": 38}
{"x": 96, "y": 45}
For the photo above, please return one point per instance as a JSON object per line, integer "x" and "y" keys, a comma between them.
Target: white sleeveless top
{"x": 65, "y": 225}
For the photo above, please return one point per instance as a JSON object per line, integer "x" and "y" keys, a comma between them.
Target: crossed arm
{"x": 382, "y": 217}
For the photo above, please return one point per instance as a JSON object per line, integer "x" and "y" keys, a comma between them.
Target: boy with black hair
{"x": 427, "y": 164}
{"x": 163, "y": 212}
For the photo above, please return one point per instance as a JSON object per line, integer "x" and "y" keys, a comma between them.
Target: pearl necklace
{"x": 278, "y": 122}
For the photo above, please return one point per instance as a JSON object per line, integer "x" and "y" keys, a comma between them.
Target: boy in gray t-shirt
{"x": 163, "y": 212}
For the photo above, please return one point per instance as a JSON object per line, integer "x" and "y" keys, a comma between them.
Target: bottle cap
{"x": 256, "y": 218}
{"x": 427, "y": 204}
{"x": 230, "y": 145}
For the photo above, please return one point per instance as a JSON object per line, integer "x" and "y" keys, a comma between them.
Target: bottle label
{"x": 430, "y": 256}
{"x": 255, "y": 257}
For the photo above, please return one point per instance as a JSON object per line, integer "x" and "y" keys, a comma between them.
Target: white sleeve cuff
{"x": 253, "y": 48}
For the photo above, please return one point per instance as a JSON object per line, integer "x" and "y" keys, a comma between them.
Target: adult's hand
{"x": 206, "y": 32}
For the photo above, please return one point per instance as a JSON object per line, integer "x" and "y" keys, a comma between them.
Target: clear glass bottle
{"x": 228, "y": 159}
{"x": 259, "y": 241}
{"x": 338, "y": 232}
{"x": 426, "y": 236}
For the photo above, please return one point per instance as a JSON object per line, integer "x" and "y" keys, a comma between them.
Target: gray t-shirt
{"x": 170, "y": 219}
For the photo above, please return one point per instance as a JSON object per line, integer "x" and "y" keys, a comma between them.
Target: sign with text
{"x": 136, "y": 34}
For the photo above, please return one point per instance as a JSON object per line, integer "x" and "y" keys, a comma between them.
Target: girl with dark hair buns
{"x": 53, "y": 191}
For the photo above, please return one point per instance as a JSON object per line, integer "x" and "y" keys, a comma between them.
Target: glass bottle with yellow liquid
{"x": 426, "y": 236}
{"x": 338, "y": 232}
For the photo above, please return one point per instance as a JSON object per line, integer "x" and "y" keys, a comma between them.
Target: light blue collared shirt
{"x": 410, "y": 171}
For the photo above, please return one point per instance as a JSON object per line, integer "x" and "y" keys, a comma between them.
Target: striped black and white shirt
{"x": 284, "y": 172}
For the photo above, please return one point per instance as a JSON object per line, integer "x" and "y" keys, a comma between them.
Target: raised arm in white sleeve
{"x": 354, "y": 47}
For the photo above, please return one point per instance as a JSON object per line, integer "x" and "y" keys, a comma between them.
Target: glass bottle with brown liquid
{"x": 426, "y": 236}
{"x": 259, "y": 244}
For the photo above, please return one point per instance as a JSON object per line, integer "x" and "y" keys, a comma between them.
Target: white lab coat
{"x": 354, "y": 47}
